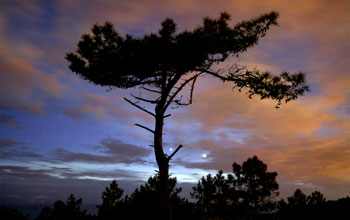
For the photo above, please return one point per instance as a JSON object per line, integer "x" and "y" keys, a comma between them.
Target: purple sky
{"x": 61, "y": 135}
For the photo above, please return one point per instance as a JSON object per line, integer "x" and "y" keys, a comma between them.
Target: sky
{"x": 61, "y": 135}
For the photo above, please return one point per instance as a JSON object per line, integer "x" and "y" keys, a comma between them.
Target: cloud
{"x": 25, "y": 172}
{"x": 21, "y": 81}
{"x": 21, "y": 153}
{"x": 64, "y": 172}
{"x": 113, "y": 151}
{"x": 119, "y": 174}
{"x": 67, "y": 156}
{"x": 69, "y": 173}
{"x": 7, "y": 142}
{"x": 11, "y": 149}
{"x": 237, "y": 115}
{"x": 122, "y": 150}
{"x": 8, "y": 120}
{"x": 100, "y": 106}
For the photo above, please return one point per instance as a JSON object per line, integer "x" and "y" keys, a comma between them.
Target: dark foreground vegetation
{"x": 249, "y": 192}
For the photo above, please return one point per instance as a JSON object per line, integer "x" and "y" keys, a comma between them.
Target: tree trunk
{"x": 163, "y": 165}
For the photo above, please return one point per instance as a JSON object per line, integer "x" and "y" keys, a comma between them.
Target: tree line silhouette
{"x": 249, "y": 192}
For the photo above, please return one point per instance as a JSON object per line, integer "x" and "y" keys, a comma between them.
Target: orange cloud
{"x": 19, "y": 80}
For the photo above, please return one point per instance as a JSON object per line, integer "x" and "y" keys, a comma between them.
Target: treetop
{"x": 168, "y": 60}
{"x": 106, "y": 58}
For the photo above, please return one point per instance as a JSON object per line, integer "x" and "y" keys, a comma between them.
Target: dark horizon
{"x": 313, "y": 207}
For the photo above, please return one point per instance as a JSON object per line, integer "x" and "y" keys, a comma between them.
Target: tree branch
{"x": 232, "y": 74}
{"x": 178, "y": 102}
{"x": 180, "y": 88}
{"x": 141, "y": 83}
{"x": 213, "y": 73}
{"x": 139, "y": 107}
{"x": 150, "y": 90}
{"x": 144, "y": 127}
{"x": 192, "y": 88}
{"x": 177, "y": 149}
{"x": 144, "y": 100}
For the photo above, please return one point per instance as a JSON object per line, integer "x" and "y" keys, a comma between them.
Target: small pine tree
{"x": 73, "y": 208}
{"x": 316, "y": 198}
{"x": 110, "y": 199}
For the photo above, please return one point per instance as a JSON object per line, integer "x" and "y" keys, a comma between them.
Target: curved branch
{"x": 178, "y": 102}
{"x": 171, "y": 99}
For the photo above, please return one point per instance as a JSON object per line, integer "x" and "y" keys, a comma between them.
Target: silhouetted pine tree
{"x": 73, "y": 208}
{"x": 256, "y": 186}
{"x": 163, "y": 64}
{"x": 247, "y": 193}
{"x": 316, "y": 198}
{"x": 111, "y": 200}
